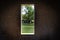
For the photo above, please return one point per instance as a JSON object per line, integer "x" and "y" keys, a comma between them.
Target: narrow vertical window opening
{"x": 27, "y": 19}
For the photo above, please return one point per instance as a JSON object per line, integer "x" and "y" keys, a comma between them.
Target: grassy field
{"x": 27, "y": 28}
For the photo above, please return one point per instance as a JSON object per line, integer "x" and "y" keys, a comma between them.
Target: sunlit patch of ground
{"x": 27, "y": 28}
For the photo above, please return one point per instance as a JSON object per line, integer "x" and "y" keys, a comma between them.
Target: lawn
{"x": 27, "y": 28}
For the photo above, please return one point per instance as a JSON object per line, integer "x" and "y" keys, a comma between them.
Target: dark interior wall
{"x": 45, "y": 21}
{"x": 9, "y": 21}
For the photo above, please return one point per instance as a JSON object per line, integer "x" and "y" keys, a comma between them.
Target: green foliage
{"x": 30, "y": 14}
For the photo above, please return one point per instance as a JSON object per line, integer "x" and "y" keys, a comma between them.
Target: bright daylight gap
{"x": 27, "y": 19}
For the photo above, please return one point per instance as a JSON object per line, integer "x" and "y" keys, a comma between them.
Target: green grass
{"x": 27, "y": 28}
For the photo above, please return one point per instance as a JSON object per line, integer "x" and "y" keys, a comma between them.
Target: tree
{"x": 29, "y": 15}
